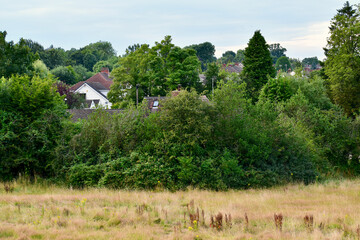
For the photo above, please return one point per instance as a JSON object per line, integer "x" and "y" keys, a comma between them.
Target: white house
{"x": 95, "y": 89}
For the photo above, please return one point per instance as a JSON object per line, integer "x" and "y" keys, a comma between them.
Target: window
{"x": 156, "y": 104}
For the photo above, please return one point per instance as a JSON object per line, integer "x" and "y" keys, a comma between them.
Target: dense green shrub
{"x": 82, "y": 175}
{"x": 31, "y": 114}
{"x": 292, "y": 134}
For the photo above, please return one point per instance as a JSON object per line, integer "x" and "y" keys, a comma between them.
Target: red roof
{"x": 99, "y": 78}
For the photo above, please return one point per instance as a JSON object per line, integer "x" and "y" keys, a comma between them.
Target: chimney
{"x": 105, "y": 70}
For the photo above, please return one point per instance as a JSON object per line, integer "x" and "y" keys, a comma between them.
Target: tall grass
{"x": 43, "y": 211}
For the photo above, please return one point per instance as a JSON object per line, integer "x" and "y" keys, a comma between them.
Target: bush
{"x": 82, "y": 175}
{"x": 31, "y": 112}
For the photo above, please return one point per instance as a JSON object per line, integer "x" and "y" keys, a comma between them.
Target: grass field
{"x": 37, "y": 212}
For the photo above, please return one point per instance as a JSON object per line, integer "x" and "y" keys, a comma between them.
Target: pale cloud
{"x": 300, "y": 42}
{"x": 313, "y": 39}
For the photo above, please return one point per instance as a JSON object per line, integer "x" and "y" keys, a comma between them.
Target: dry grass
{"x": 320, "y": 211}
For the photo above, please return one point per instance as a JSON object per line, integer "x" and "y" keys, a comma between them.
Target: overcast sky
{"x": 299, "y": 26}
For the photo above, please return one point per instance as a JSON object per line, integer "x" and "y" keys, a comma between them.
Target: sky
{"x": 299, "y": 26}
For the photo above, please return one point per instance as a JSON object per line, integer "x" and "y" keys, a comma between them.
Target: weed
{"x": 246, "y": 222}
{"x": 278, "y": 219}
{"x": 309, "y": 222}
{"x": 217, "y": 221}
{"x": 8, "y": 187}
{"x": 228, "y": 220}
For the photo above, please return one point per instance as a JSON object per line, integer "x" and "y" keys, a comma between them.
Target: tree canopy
{"x": 310, "y": 61}
{"x": 156, "y": 71}
{"x": 257, "y": 64}
{"x": 276, "y": 51}
{"x": 205, "y": 52}
{"x": 283, "y": 64}
{"x": 15, "y": 58}
{"x": 342, "y": 64}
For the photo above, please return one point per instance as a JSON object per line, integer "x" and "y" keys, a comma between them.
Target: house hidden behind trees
{"x": 95, "y": 90}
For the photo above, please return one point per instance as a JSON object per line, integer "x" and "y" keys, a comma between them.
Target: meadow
{"x": 320, "y": 211}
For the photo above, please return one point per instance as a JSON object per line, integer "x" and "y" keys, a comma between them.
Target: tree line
{"x": 259, "y": 128}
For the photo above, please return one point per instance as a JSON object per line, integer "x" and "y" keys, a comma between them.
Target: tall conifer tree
{"x": 257, "y": 64}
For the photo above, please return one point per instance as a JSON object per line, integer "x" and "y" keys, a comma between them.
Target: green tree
{"x": 240, "y": 56}
{"x": 65, "y": 74}
{"x": 276, "y": 90}
{"x": 54, "y": 57}
{"x": 89, "y": 55}
{"x": 15, "y": 58}
{"x": 34, "y": 46}
{"x": 132, "y": 48}
{"x": 283, "y": 64}
{"x": 212, "y": 76}
{"x": 342, "y": 64}
{"x": 227, "y": 57}
{"x": 41, "y": 69}
{"x": 312, "y": 62}
{"x": 295, "y": 63}
{"x": 82, "y": 73}
{"x": 276, "y": 51}
{"x": 155, "y": 70}
{"x": 101, "y": 64}
{"x": 205, "y": 52}
{"x": 257, "y": 64}
{"x": 31, "y": 112}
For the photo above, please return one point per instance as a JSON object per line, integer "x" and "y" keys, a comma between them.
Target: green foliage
{"x": 185, "y": 120}
{"x": 65, "y": 74}
{"x": 227, "y": 57}
{"x": 276, "y": 90}
{"x": 53, "y": 57}
{"x": 72, "y": 99}
{"x": 82, "y": 74}
{"x": 212, "y": 76}
{"x": 257, "y": 64}
{"x": 15, "y": 58}
{"x": 89, "y": 55}
{"x": 276, "y": 52}
{"x": 81, "y": 175}
{"x": 35, "y": 47}
{"x": 295, "y": 63}
{"x": 312, "y": 62}
{"x": 31, "y": 112}
{"x": 240, "y": 56}
{"x": 41, "y": 69}
{"x": 283, "y": 64}
{"x": 205, "y": 53}
{"x": 102, "y": 64}
{"x": 157, "y": 70}
{"x": 342, "y": 65}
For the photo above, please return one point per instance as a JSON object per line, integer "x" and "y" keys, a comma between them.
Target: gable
{"x": 85, "y": 88}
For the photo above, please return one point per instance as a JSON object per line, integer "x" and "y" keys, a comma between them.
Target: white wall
{"x": 91, "y": 94}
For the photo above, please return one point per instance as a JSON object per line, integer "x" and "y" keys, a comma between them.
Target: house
{"x": 230, "y": 68}
{"x": 95, "y": 90}
{"x": 236, "y": 68}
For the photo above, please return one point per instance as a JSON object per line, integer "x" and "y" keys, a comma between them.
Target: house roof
{"x": 99, "y": 81}
{"x": 237, "y": 68}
